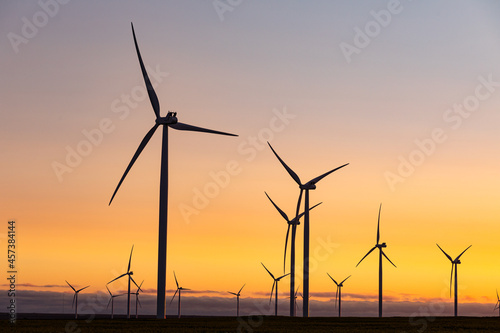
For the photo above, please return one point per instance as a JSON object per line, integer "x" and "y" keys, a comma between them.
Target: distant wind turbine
{"x": 112, "y": 301}
{"x": 169, "y": 121}
{"x": 291, "y": 223}
{"x": 75, "y": 298}
{"x": 179, "y": 289}
{"x": 310, "y": 185}
{"x": 381, "y": 253}
{"x": 276, "y": 280}
{"x": 137, "y": 302}
{"x": 338, "y": 292}
{"x": 130, "y": 278}
{"x": 497, "y": 305}
{"x": 237, "y": 300}
{"x": 454, "y": 264}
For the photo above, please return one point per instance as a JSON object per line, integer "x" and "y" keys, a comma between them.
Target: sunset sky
{"x": 406, "y": 92}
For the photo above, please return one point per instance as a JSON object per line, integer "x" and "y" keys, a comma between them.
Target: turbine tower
{"x": 169, "y": 121}
{"x": 237, "y": 300}
{"x": 381, "y": 253}
{"x": 112, "y": 301}
{"x": 130, "y": 278}
{"x": 338, "y": 292}
{"x": 179, "y": 289}
{"x": 454, "y": 264}
{"x": 291, "y": 223}
{"x": 276, "y": 280}
{"x": 497, "y": 305}
{"x": 75, "y": 298}
{"x": 310, "y": 185}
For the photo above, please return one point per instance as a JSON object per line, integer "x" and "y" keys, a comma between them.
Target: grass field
{"x": 257, "y": 324}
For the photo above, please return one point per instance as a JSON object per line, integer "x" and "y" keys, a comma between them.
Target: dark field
{"x": 255, "y": 324}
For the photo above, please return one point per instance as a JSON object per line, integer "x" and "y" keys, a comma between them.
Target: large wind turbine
{"x": 338, "y": 292}
{"x": 381, "y": 253}
{"x": 137, "y": 302}
{"x": 497, "y": 305}
{"x": 291, "y": 223}
{"x": 310, "y": 185}
{"x": 454, "y": 264}
{"x": 237, "y": 300}
{"x": 130, "y": 278}
{"x": 276, "y": 280}
{"x": 75, "y": 298}
{"x": 112, "y": 301}
{"x": 169, "y": 121}
{"x": 179, "y": 289}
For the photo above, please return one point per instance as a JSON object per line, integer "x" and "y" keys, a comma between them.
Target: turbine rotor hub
{"x": 308, "y": 186}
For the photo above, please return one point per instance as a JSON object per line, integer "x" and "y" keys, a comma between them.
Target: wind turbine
{"x": 454, "y": 264}
{"x": 338, "y": 292}
{"x": 137, "y": 298}
{"x": 310, "y": 185}
{"x": 295, "y": 298}
{"x": 169, "y": 121}
{"x": 276, "y": 280}
{"x": 381, "y": 253}
{"x": 112, "y": 301}
{"x": 130, "y": 278}
{"x": 237, "y": 300}
{"x": 179, "y": 289}
{"x": 75, "y": 298}
{"x": 497, "y": 305}
{"x": 291, "y": 223}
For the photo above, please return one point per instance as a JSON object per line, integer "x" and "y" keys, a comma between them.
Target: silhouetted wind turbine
{"x": 291, "y": 223}
{"x": 179, "y": 289}
{"x": 169, "y": 121}
{"x": 237, "y": 300}
{"x": 338, "y": 292}
{"x": 497, "y": 305}
{"x": 310, "y": 185}
{"x": 381, "y": 253}
{"x": 75, "y": 298}
{"x": 137, "y": 298}
{"x": 129, "y": 273}
{"x": 112, "y": 301}
{"x": 454, "y": 263}
{"x": 276, "y": 280}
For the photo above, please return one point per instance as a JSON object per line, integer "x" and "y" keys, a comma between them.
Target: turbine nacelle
{"x": 307, "y": 186}
{"x": 381, "y": 245}
{"x": 171, "y": 118}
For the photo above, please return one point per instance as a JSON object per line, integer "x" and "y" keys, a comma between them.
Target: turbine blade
{"x": 378, "y": 224}
{"x": 366, "y": 255}
{"x": 186, "y": 127}
{"x": 290, "y": 171}
{"x": 272, "y": 289}
{"x": 286, "y": 243}
{"x": 269, "y": 272}
{"x": 462, "y": 253}
{"x": 317, "y": 179}
{"x": 130, "y": 259}
{"x": 140, "y": 286}
{"x": 117, "y": 278}
{"x": 131, "y": 278}
{"x": 70, "y": 286}
{"x": 233, "y": 293}
{"x": 336, "y": 295}
{"x": 497, "y": 295}
{"x": 282, "y": 276}
{"x": 110, "y": 294}
{"x": 110, "y": 299}
{"x": 241, "y": 289}
{"x": 279, "y": 210}
{"x": 332, "y": 279}
{"x": 82, "y": 289}
{"x": 152, "y": 95}
{"x": 74, "y": 297}
{"x": 185, "y": 288}
{"x": 139, "y": 301}
{"x": 174, "y": 296}
{"x": 297, "y": 218}
{"x": 143, "y": 144}
{"x": 177, "y": 283}
{"x": 451, "y": 276}
{"x": 447, "y": 256}
{"x": 386, "y": 257}
{"x": 345, "y": 279}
